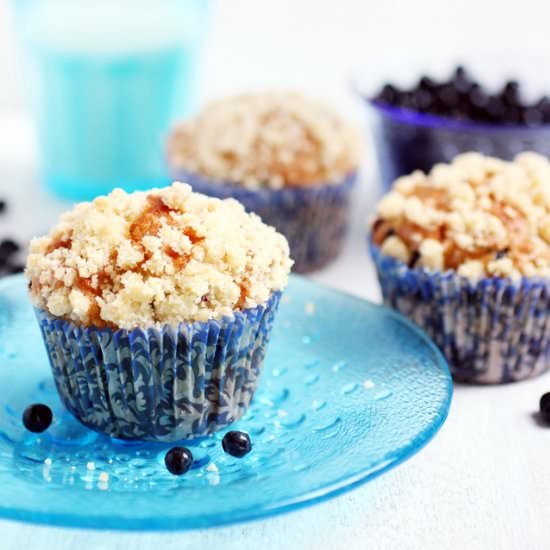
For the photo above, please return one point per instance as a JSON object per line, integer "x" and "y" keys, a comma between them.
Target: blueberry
{"x": 178, "y": 460}
{"x": 388, "y": 95}
{"x": 236, "y": 443}
{"x": 37, "y": 418}
{"x": 8, "y": 247}
{"x": 510, "y": 94}
{"x": 3, "y": 206}
{"x": 544, "y": 402}
{"x": 448, "y": 95}
{"x": 478, "y": 97}
{"x": 460, "y": 72}
{"x": 407, "y": 100}
{"x": 461, "y": 80}
{"x": 424, "y": 100}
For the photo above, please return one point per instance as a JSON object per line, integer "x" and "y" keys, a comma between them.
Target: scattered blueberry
{"x": 236, "y": 443}
{"x": 3, "y": 206}
{"x": 8, "y": 247}
{"x": 544, "y": 403}
{"x": 460, "y": 97}
{"x": 178, "y": 460}
{"x": 37, "y": 418}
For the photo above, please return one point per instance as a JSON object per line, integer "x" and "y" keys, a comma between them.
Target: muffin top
{"x": 266, "y": 140}
{"x": 479, "y": 215}
{"x": 162, "y": 257}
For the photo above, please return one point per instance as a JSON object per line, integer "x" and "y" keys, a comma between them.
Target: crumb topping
{"x": 272, "y": 139}
{"x": 479, "y": 215}
{"x": 163, "y": 257}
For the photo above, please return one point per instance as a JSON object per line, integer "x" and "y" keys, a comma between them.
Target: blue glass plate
{"x": 349, "y": 390}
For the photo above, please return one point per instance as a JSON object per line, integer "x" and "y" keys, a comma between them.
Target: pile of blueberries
{"x": 462, "y": 98}
{"x": 37, "y": 418}
{"x": 8, "y": 252}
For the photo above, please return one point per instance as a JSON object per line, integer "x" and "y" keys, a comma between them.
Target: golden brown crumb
{"x": 478, "y": 215}
{"x": 272, "y": 139}
{"x": 145, "y": 259}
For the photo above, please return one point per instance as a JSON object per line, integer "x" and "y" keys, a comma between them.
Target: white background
{"x": 484, "y": 482}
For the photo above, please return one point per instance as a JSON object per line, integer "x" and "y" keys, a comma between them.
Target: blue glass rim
{"x": 315, "y": 495}
{"x": 416, "y": 118}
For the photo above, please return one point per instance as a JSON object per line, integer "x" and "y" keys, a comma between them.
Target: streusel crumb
{"x": 272, "y": 139}
{"x": 479, "y": 215}
{"x": 166, "y": 256}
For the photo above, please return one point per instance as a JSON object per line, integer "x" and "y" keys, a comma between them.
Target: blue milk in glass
{"x": 107, "y": 81}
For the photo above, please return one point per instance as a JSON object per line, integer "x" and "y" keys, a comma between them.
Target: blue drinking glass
{"x": 106, "y": 81}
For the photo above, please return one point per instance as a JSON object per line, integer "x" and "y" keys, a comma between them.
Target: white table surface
{"x": 483, "y": 482}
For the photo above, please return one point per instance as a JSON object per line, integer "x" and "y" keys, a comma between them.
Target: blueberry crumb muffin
{"x": 156, "y": 308}
{"x": 464, "y": 250}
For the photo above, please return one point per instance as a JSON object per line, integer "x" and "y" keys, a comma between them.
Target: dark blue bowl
{"x": 408, "y": 140}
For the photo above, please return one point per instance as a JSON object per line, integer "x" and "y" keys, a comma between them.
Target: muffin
{"x": 290, "y": 159}
{"x": 156, "y": 310}
{"x": 464, "y": 251}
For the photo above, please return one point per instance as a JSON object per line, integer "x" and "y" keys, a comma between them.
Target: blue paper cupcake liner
{"x": 161, "y": 384}
{"x": 492, "y": 331}
{"x": 313, "y": 219}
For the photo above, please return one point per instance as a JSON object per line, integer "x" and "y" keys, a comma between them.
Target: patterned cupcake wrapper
{"x": 313, "y": 219}
{"x": 492, "y": 331}
{"x": 159, "y": 384}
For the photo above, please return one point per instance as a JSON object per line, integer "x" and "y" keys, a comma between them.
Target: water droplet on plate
{"x": 327, "y": 424}
{"x": 200, "y": 458}
{"x": 349, "y": 388}
{"x": 313, "y": 363}
{"x": 292, "y": 420}
{"x": 138, "y": 463}
{"x": 33, "y": 449}
{"x": 11, "y": 411}
{"x": 47, "y": 386}
{"x": 257, "y": 430}
{"x": 273, "y": 399}
{"x": 279, "y": 371}
{"x": 318, "y": 405}
{"x": 339, "y": 366}
{"x": 383, "y": 394}
{"x": 311, "y": 379}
